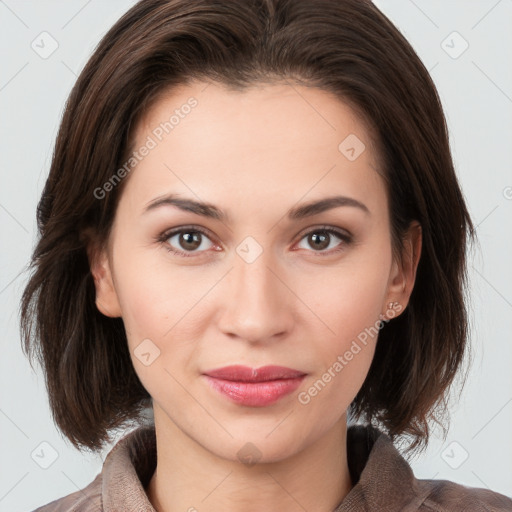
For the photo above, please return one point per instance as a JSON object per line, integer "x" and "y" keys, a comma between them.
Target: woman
{"x": 252, "y": 227}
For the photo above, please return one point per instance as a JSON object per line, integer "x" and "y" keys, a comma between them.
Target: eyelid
{"x": 325, "y": 227}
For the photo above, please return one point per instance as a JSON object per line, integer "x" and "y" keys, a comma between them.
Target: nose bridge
{"x": 258, "y": 304}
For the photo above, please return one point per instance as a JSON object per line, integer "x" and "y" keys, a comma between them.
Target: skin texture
{"x": 254, "y": 154}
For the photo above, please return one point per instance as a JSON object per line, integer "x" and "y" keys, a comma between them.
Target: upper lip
{"x": 240, "y": 373}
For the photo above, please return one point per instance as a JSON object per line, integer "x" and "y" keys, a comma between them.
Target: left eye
{"x": 321, "y": 239}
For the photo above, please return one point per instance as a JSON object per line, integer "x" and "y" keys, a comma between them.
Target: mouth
{"x": 254, "y": 387}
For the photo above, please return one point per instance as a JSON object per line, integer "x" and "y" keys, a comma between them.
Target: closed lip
{"x": 239, "y": 373}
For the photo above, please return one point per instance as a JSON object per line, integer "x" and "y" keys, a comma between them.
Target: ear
{"x": 106, "y": 296}
{"x": 403, "y": 272}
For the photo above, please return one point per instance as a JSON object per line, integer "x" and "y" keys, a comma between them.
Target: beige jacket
{"x": 383, "y": 481}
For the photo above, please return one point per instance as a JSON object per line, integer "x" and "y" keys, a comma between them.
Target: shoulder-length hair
{"x": 345, "y": 47}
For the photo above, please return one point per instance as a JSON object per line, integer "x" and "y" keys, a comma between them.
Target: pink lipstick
{"x": 254, "y": 387}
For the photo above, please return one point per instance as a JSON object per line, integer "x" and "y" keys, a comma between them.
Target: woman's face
{"x": 257, "y": 278}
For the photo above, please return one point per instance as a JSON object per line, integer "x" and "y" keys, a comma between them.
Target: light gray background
{"x": 476, "y": 90}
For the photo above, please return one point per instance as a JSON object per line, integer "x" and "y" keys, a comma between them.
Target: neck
{"x": 188, "y": 477}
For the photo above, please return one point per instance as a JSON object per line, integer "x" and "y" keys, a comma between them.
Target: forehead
{"x": 281, "y": 138}
{"x": 277, "y": 113}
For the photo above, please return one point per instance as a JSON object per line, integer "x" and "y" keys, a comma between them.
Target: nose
{"x": 258, "y": 303}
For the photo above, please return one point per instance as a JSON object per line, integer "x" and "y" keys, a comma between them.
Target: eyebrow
{"x": 211, "y": 211}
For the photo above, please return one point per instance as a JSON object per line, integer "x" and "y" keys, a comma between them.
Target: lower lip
{"x": 255, "y": 394}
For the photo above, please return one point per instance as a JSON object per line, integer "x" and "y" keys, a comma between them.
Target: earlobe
{"x": 106, "y": 295}
{"x": 403, "y": 275}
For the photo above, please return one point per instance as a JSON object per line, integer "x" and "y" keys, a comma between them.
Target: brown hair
{"x": 346, "y": 47}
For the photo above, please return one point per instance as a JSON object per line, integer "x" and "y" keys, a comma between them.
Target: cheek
{"x": 153, "y": 295}
{"x": 348, "y": 298}
{"x": 348, "y": 301}
{"x": 343, "y": 358}
{"x": 154, "y": 310}
{"x": 144, "y": 305}
{"x": 160, "y": 306}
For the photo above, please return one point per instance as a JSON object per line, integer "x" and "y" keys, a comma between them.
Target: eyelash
{"x": 164, "y": 237}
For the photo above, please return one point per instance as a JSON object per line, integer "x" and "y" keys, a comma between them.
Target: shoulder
{"x": 384, "y": 480}
{"x": 84, "y": 500}
{"x": 445, "y": 495}
{"x": 120, "y": 485}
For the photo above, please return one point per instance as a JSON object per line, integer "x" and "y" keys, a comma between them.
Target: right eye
{"x": 185, "y": 241}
